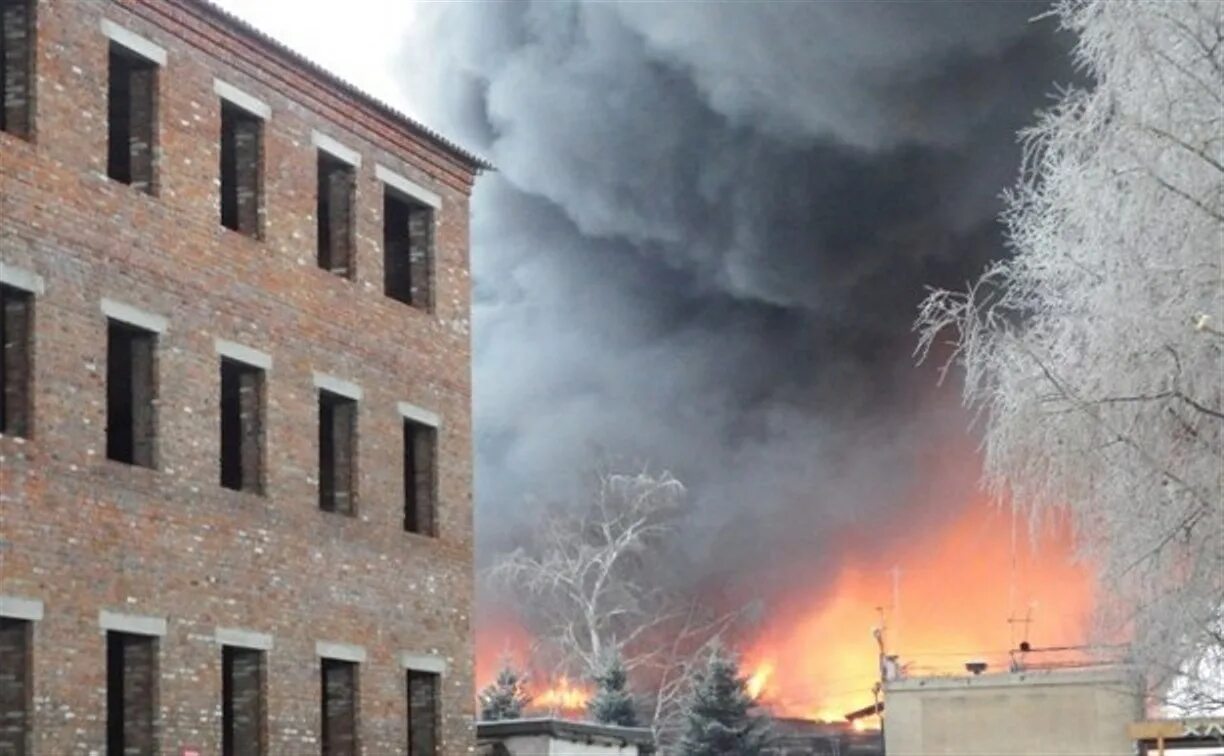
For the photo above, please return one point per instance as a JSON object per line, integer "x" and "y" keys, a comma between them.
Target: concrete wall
{"x": 543, "y": 745}
{"x": 1037, "y": 713}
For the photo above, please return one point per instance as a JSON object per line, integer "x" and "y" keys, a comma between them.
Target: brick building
{"x": 235, "y": 433}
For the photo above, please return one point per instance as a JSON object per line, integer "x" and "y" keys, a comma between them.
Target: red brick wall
{"x": 84, "y": 534}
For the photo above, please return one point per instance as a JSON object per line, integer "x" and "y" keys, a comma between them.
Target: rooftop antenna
{"x": 1026, "y": 621}
{"x": 878, "y": 688}
{"x": 880, "y": 629}
{"x": 1011, "y": 578}
{"x": 895, "y": 611}
{"x": 1018, "y": 664}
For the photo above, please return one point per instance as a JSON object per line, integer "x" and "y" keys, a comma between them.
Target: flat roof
{"x": 1210, "y": 729}
{"x": 1052, "y": 676}
{"x": 565, "y": 729}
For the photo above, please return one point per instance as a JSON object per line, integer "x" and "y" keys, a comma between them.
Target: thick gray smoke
{"x": 709, "y": 230}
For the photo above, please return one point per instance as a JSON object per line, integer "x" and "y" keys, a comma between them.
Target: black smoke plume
{"x": 709, "y": 229}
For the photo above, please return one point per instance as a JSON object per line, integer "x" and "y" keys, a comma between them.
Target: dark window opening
{"x": 131, "y": 118}
{"x": 131, "y": 694}
{"x": 16, "y": 319}
{"x": 407, "y": 250}
{"x": 131, "y": 394}
{"x": 337, "y": 452}
{"x": 15, "y": 689}
{"x": 242, "y": 702}
{"x": 241, "y": 426}
{"x": 335, "y": 215}
{"x": 241, "y": 178}
{"x": 422, "y": 713}
{"x": 339, "y": 708}
{"x": 420, "y": 478}
{"x": 17, "y": 67}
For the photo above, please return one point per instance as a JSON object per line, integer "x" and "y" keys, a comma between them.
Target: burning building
{"x": 803, "y": 737}
{"x": 980, "y": 586}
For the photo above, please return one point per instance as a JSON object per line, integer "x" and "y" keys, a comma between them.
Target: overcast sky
{"x": 359, "y": 44}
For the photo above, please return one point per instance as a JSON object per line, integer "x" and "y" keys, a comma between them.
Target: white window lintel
{"x": 243, "y": 354}
{"x": 134, "y": 316}
{"x": 335, "y": 149}
{"x": 407, "y": 186}
{"x": 340, "y": 651}
{"x": 16, "y": 607}
{"x": 132, "y": 623}
{"x": 423, "y": 663}
{"x": 420, "y": 415}
{"x": 334, "y": 385}
{"x": 20, "y": 278}
{"x": 232, "y": 636}
{"x": 247, "y": 102}
{"x": 134, "y": 42}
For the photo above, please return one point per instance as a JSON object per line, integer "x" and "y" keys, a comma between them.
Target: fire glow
{"x": 562, "y": 696}
{"x": 760, "y": 678}
{"x": 503, "y": 640}
{"x": 964, "y": 593}
{"x": 971, "y": 589}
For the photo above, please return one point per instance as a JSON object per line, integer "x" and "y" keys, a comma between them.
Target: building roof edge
{"x": 330, "y": 79}
{"x": 564, "y": 728}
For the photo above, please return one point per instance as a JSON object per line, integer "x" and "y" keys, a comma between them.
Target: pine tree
{"x": 719, "y": 719}
{"x": 506, "y": 698}
{"x": 612, "y": 703}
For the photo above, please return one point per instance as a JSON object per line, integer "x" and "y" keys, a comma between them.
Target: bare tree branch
{"x": 1117, "y": 225}
{"x": 588, "y": 587}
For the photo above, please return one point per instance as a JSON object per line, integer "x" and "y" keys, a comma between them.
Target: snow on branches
{"x": 591, "y": 584}
{"x": 1095, "y": 352}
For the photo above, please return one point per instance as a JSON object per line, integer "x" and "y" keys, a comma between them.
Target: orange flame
{"x": 562, "y": 696}
{"x": 500, "y": 639}
{"x": 760, "y": 678}
{"x": 963, "y": 593}
{"x": 960, "y": 585}
{"x": 503, "y": 640}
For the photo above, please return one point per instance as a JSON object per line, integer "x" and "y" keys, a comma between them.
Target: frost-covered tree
{"x": 612, "y": 703}
{"x": 506, "y": 697}
{"x": 587, "y": 583}
{"x": 719, "y": 718}
{"x": 1095, "y": 352}
{"x": 581, "y": 573}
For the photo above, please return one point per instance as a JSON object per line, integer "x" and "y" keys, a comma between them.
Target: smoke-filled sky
{"x": 709, "y": 229}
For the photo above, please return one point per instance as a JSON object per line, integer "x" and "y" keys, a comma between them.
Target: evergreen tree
{"x": 719, "y": 721}
{"x": 506, "y": 698}
{"x": 612, "y": 703}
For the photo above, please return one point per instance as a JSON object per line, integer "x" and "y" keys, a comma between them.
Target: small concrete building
{"x": 1179, "y": 737}
{"x": 1070, "y": 712}
{"x": 559, "y": 737}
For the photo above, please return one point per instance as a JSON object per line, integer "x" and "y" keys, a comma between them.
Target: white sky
{"x": 355, "y": 39}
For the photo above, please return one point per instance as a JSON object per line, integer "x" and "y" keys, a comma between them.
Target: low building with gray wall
{"x": 1069, "y": 712}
